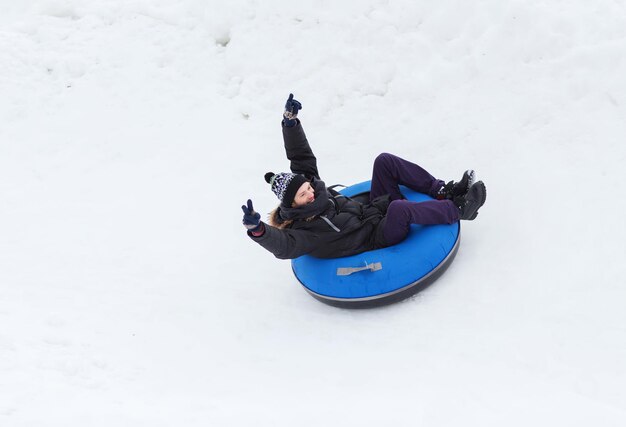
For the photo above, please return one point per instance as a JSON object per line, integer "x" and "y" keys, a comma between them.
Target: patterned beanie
{"x": 285, "y": 185}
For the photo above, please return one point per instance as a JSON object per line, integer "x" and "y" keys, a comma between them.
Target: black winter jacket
{"x": 346, "y": 227}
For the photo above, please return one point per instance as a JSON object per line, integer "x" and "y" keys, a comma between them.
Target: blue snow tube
{"x": 381, "y": 276}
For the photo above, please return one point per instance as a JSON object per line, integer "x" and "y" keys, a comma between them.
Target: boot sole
{"x": 470, "y": 176}
{"x": 481, "y": 202}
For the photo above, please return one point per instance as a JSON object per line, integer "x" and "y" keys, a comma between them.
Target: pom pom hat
{"x": 285, "y": 185}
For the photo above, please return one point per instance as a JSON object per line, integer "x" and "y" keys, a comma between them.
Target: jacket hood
{"x": 276, "y": 221}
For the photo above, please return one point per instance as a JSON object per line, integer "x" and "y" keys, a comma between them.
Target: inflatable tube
{"x": 381, "y": 276}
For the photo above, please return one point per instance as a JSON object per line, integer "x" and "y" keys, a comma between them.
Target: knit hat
{"x": 285, "y": 185}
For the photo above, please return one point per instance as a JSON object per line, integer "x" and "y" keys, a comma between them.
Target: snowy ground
{"x": 131, "y": 131}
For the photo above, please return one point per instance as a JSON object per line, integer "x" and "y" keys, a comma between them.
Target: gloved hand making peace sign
{"x": 252, "y": 219}
{"x": 291, "y": 111}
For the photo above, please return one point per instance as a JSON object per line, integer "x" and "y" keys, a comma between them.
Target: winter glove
{"x": 251, "y": 219}
{"x": 291, "y": 111}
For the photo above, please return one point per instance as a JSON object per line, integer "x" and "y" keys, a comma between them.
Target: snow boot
{"x": 470, "y": 202}
{"x": 452, "y": 189}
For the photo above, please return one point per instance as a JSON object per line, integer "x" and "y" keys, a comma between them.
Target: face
{"x": 304, "y": 196}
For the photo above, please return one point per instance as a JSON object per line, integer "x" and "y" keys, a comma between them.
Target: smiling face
{"x": 304, "y": 195}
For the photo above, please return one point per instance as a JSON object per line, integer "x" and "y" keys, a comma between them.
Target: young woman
{"x": 316, "y": 220}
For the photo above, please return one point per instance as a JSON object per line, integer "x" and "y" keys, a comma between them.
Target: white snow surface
{"x": 131, "y": 132}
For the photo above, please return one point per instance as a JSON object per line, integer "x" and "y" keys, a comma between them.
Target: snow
{"x": 132, "y": 131}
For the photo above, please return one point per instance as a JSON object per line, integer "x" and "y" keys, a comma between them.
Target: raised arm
{"x": 284, "y": 244}
{"x": 297, "y": 147}
{"x": 287, "y": 243}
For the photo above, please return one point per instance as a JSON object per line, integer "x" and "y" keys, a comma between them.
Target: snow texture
{"x": 131, "y": 132}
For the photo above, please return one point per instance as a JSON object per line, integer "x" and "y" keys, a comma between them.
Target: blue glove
{"x": 291, "y": 111}
{"x": 251, "y": 219}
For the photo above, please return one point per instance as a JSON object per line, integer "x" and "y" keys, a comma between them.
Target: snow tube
{"x": 381, "y": 276}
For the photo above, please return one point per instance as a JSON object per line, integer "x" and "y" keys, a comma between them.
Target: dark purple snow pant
{"x": 391, "y": 171}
